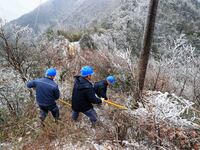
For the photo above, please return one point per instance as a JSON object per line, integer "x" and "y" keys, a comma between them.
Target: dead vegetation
{"x": 132, "y": 129}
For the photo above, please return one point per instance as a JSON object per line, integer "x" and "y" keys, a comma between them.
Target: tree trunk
{"x": 148, "y": 35}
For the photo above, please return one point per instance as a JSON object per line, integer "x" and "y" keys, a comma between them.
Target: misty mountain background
{"x": 68, "y": 14}
{"x": 107, "y": 35}
{"x": 123, "y": 20}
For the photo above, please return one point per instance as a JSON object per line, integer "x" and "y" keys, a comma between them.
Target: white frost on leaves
{"x": 169, "y": 108}
{"x": 106, "y": 145}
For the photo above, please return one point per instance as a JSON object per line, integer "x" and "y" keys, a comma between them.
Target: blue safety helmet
{"x": 86, "y": 71}
{"x": 51, "y": 72}
{"x": 111, "y": 79}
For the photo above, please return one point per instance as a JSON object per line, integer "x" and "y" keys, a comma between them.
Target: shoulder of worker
{"x": 47, "y": 81}
{"x": 82, "y": 83}
{"x": 100, "y": 83}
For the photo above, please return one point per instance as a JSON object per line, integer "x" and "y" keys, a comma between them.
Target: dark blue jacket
{"x": 47, "y": 91}
{"x": 83, "y": 95}
{"x": 101, "y": 89}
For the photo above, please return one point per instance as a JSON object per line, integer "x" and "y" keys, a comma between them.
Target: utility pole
{"x": 147, "y": 40}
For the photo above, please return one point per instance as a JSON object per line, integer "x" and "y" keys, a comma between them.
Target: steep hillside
{"x": 125, "y": 26}
{"x": 90, "y": 11}
{"x": 70, "y": 13}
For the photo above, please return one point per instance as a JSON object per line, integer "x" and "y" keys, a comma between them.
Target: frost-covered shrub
{"x": 176, "y": 68}
{"x": 13, "y": 93}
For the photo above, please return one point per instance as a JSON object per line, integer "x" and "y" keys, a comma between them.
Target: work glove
{"x": 102, "y": 99}
{"x": 100, "y": 105}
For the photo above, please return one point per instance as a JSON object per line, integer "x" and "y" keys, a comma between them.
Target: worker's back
{"x": 46, "y": 91}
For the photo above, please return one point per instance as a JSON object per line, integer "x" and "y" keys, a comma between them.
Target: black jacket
{"x": 83, "y": 95}
{"x": 101, "y": 89}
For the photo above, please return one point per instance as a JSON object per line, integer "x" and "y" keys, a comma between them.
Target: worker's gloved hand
{"x": 102, "y": 99}
{"x": 100, "y": 105}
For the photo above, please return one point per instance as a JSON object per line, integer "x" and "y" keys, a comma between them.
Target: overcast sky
{"x": 12, "y": 9}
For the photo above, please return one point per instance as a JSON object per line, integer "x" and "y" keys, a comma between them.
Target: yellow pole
{"x": 106, "y": 101}
{"x": 114, "y": 104}
{"x": 64, "y": 102}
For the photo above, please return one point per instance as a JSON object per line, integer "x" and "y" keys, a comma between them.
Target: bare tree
{"x": 17, "y": 48}
{"x": 177, "y": 68}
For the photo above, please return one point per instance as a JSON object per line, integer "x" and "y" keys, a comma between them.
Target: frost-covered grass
{"x": 162, "y": 123}
{"x": 167, "y": 120}
{"x": 169, "y": 108}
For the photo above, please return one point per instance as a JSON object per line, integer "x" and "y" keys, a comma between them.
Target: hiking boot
{"x": 97, "y": 124}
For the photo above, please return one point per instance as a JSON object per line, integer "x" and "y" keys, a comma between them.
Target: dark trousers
{"x": 91, "y": 113}
{"x": 45, "y": 109}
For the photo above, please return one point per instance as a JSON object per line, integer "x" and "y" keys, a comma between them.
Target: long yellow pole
{"x": 114, "y": 104}
{"x": 64, "y": 102}
{"x": 106, "y": 101}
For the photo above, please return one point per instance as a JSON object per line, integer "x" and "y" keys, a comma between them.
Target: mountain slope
{"x": 125, "y": 26}
{"x": 66, "y": 13}
{"x": 90, "y": 11}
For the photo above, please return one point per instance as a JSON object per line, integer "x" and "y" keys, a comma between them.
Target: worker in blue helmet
{"x": 47, "y": 92}
{"x": 101, "y": 86}
{"x": 83, "y": 95}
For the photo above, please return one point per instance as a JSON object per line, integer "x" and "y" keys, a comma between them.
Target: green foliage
{"x": 49, "y": 33}
{"x": 3, "y": 115}
{"x": 71, "y": 36}
{"x": 74, "y": 36}
{"x": 63, "y": 75}
{"x": 97, "y": 29}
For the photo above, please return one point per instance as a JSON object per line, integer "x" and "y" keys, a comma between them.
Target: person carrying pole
{"x": 101, "y": 87}
{"x": 47, "y": 92}
{"x": 83, "y": 95}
